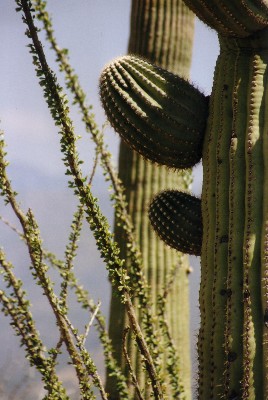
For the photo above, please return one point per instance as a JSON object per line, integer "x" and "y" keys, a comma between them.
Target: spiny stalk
{"x": 136, "y": 271}
{"x": 87, "y": 303}
{"x": 16, "y": 306}
{"x": 39, "y": 273}
{"x": 58, "y": 106}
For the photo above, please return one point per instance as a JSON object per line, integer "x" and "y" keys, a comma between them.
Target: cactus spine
{"x": 161, "y": 31}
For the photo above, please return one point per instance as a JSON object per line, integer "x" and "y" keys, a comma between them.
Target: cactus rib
{"x": 232, "y": 208}
{"x": 157, "y": 29}
{"x": 237, "y": 18}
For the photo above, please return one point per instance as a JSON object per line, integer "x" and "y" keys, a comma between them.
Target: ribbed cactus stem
{"x": 233, "y": 296}
{"x": 176, "y": 217}
{"x": 157, "y": 30}
{"x": 160, "y": 115}
{"x": 155, "y": 253}
{"x": 161, "y": 32}
{"x": 232, "y": 18}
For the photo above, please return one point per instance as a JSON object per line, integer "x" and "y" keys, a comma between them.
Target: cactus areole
{"x": 233, "y": 337}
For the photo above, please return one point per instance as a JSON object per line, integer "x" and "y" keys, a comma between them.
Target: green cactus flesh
{"x": 162, "y": 32}
{"x": 157, "y": 113}
{"x": 233, "y": 18}
{"x": 176, "y": 217}
{"x": 232, "y": 344}
{"x": 233, "y": 337}
{"x": 234, "y": 268}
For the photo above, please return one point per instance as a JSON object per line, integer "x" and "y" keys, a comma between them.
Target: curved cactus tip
{"x": 160, "y": 115}
{"x": 235, "y": 18}
{"x": 176, "y": 218}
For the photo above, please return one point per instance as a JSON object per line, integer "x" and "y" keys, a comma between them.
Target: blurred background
{"x": 95, "y": 32}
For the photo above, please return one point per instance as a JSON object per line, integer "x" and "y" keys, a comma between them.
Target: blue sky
{"x": 95, "y": 32}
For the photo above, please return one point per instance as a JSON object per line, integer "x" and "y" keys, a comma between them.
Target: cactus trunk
{"x": 161, "y": 31}
{"x": 233, "y": 297}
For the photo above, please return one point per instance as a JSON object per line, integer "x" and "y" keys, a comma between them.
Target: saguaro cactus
{"x": 232, "y": 344}
{"x": 162, "y": 32}
{"x": 233, "y": 338}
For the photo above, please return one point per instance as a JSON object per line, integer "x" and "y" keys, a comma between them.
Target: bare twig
{"x": 12, "y": 227}
{"x": 94, "y": 315}
{"x": 133, "y": 376}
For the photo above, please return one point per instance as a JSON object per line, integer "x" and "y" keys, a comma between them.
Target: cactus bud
{"x": 176, "y": 217}
{"x": 160, "y": 115}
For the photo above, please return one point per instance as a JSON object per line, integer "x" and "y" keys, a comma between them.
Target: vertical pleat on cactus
{"x": 232, "y": 343}
{"x": 234, "y": 271}
{"x": 162, "y": 32}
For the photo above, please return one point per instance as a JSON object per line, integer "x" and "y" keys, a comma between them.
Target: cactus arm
{"x": 208, "y": 215}
{"x": 176, "y": 217}
{"x": 158, "y": 114}
{"x": 252, "y": 335}
{"x": 238, "y": 18}
{"x": 157, "y": 29}
{"x": 221, "y": 165}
